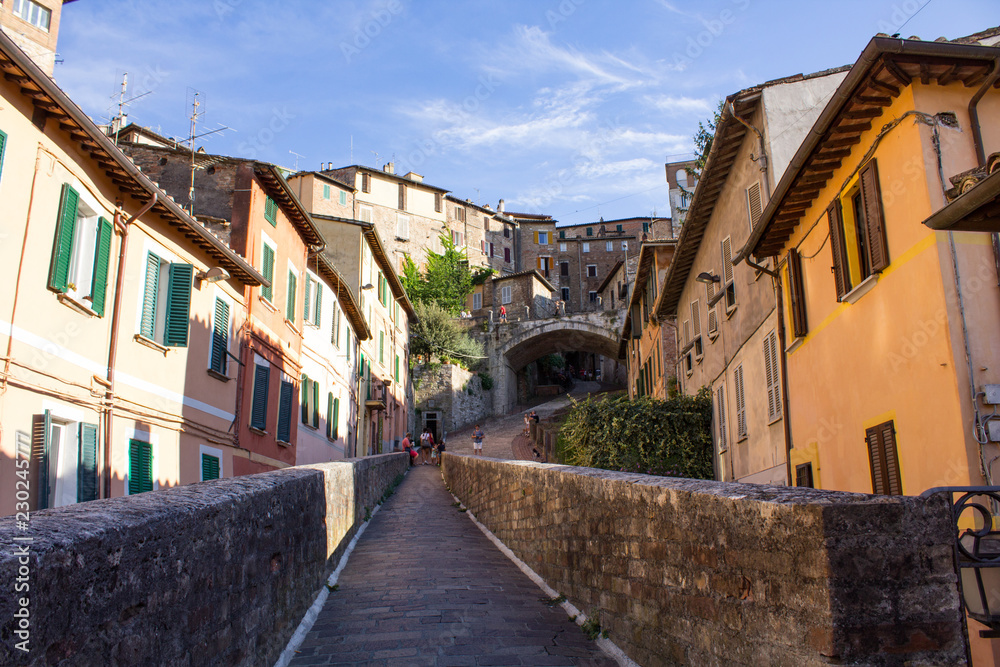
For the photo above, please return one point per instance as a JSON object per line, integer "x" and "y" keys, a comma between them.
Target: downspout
{"x": 787, "y": 427}
{"x": 762, "y": 158}
{"x": 977, "y": 130}
{"x": 113, "y": 347}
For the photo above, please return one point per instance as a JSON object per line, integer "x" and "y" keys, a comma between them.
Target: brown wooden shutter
{"x": 839, "y": 249}
{"x": 883, "y": 459}
{"x": 402, "y": 196}
{"x": 797, "y": 291}
{"x": 871, "y": 197}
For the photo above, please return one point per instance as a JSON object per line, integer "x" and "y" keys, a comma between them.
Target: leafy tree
{"x": 703, "y": 139}
{"x": 438, "y": 335}
{"x": 447, "y": 281}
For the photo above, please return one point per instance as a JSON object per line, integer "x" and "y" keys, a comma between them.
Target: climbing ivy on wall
{"x": 646, "y": 435}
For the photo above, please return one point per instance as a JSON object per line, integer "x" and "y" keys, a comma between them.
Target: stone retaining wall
{"x": 687, "y": 572}
{"x": 214, "y": 573}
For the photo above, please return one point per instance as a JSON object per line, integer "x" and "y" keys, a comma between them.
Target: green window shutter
{"x": 290, "y": 305}
{"x": 397, "y": 368}
{"x": 335, "y": 329}
{"x": 619, "y": 228}
{"x": 102, "y": 258}
{"x": 336, "y": 416}
{"x": 209, "y": 467}
{"x": 271, "y": 211}
{"x": 315, "y": 404}
{"x": 285, "y": 412}
{"x": 3, "y": 142}
{"x": 268, "y": 271}
{"x": 86, "y": 467}
{"x": 258, "y": 407}
{"x": 140, "y": 466}
{"x": 343, "y": 197}
{"x": 62, "y": 248}
{"x": 304, "y": 385}
{"x": 317, "y": 311}
{"x": 306, "y": 310}
{"x": 41, "y": 430}
{"x": 175, "y": 331}
{"x": 326, "y": 191}
{"x": 381, "y": 347}
{"x": 330, "y": 420}
{"x": 220, "y": 337}
{"x": 150, "y": 292}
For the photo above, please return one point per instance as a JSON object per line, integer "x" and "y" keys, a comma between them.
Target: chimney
{"x": 389, "y": 168}
{"x": 415, "y": 177}
{"x": 500, "y": 207}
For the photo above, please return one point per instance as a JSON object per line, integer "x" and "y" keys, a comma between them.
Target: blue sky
{"x": 565, "y": 107}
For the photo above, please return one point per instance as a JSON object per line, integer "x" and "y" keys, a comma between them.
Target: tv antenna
{"x": 195, "y": 115}
{"x": 297, "y": 156}
{"x": 376, "y": 158}
{"x": 119, "y": 119}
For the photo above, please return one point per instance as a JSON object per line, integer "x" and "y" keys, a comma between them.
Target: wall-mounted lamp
{"x": 368, "y": 286}
{"x": 213, "y": 275}
{"x": 706, "y": 277}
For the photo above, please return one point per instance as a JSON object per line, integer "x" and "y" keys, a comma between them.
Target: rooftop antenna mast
{"x": 297, "y": 156}
{"x": 195, "y": 115}
{"x": 119, "y": 120}
{"x": 376, "y": 158}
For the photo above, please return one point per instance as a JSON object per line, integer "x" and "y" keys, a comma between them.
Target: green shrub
{"x": 487, "y": 381}
{"x": 645, "y": 435}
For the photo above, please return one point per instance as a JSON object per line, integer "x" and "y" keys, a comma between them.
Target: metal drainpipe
{"x": 113, "y": 346}
{"x": 977, "y": 130}
{"x": 787, "y": 427}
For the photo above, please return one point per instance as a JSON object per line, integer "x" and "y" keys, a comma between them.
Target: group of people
{"x": 528, "y": 418}
{"x": 426, "y": 451}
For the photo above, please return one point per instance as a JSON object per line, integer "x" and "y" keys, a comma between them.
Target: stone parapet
{"x": 217, "y": 572}
{"x": 690, "y": 572}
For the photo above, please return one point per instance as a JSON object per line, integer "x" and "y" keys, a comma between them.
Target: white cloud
{"x": 681, "y": 105}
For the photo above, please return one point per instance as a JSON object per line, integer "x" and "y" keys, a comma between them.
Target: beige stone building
{"x": 730, "y": 338}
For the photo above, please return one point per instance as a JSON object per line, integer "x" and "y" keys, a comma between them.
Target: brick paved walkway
{"x": 425, "y": 587}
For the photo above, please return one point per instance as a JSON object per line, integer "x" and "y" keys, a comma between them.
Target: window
{"x": 565, "y": 294}
{"x": 506, "y": 255}
{"x": 492, "y": 250}
{"x": 210, "y": 467}
{"x": 366, "y": 182}
{"x": 593, "y": 296}
{"x": 804, "y": 475}
{"x": 728, "y": 282}
{"x": 699, "y": 351}
{"x": 33, "y": 13}
{"x": 544, "y": 264}
{"x": 741, "y": 404}
{"x": 285, "y": 397}
{"x": 592, "y": 270}
{"x": 313, "y": 302}
{"x": 754, "y": 207}
{"x": 609, "y": 246}
{"x": 63, "y": 461}
{"x": 310, "y": 401}
{"x": 343, "y": 198}
{"x": 543, "y": 238}
{"x": 271, "y": 211}
{"x": 713, "y": 318}
{"x": 402, "y": 227}
{"x": 624, "y": 245}
{"x": 562, "y": 247}
{"x": 645, "y": 228}
{"x": 564, "y": 268}
{"x": 258, "y": 402}
{"x": 365, "y": 213}
{"x": 166, "y": 304}
{"x": 81, "y": 252}
{"x": 459, "y": 214}
{"x": 505, "y": 294}
{"x": 219, "y": 359}
{"x": 619, "y": 228}
{"x": 267, "y": 268}
{"x": 335, "y": 328}
{"x": 586, "y": 247}
{"x": 857, "y": 239}
{"x": 326, "y": 191}
{"x": 140, "y": 467}
{"x": 290, "y": 298}
{"x": 381, "y": 348}
{"x": 884, "y": 460}
{"x": 477, "y": 301}
{"x": 506, "y": 232}
{"x": 402, "y": 197}
{"x": 437, "y": 202}
{"x": 720, "y": 417}
{"x": 772, "y": 374}
{"x": 590, "y": 231}
{"x": 796, "y": 294}
{"x": 458, "y": 238}
{"x": 332, "y": 416}
{"x": 395, "y": 373}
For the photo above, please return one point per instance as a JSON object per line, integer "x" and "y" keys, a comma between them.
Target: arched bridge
{"x": 513, "y": 346}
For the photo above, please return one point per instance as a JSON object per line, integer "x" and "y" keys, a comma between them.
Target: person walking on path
{"x": 526, "y": 418}
{"x": 426, "y": 443}
{"x": 503, "y": 315}
{"x": 440, "y": 448}
{"x": 477, "y": 440}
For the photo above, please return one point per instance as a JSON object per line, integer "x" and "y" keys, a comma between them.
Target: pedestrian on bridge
{"x": 503, "y": 315}
{"x": 477, "y": 440}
